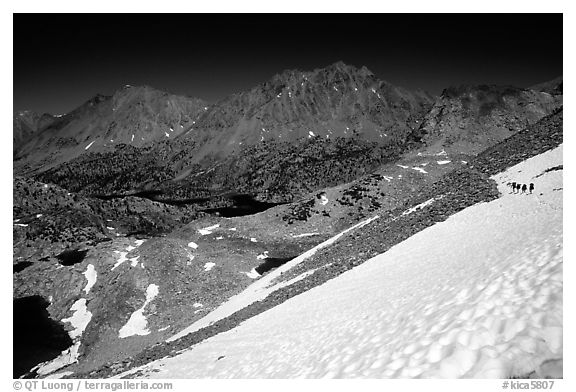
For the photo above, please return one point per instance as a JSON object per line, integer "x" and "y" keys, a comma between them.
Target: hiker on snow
{"x": 524, "y": 187}
{"x": 531, "y": 187}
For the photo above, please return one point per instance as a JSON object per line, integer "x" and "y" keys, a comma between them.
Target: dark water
{"x": 271, "y": 263}
{"x": 242, "y": 204}
{"x": 37, "y": 338}
{"x": 71, "y": 257}
{"x": 20, "y": 266}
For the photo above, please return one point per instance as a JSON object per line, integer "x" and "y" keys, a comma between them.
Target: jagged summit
{"x": 336, "y": 101}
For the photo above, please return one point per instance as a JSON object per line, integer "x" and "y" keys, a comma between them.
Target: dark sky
{"x": 60, "y": 61}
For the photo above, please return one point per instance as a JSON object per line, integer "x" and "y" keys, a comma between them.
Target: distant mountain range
{"x": 184, "y": 143}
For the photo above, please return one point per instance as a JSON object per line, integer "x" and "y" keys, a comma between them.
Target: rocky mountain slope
{"x": 336, "y": 101}
{"x": 133, "y": 115}
{"x": 468, "y": 119}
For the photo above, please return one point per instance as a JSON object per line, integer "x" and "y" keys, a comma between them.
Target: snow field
{"x": 479, "y": 295}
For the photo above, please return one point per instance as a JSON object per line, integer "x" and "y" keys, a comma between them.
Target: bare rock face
{"x": 469, "y": 119}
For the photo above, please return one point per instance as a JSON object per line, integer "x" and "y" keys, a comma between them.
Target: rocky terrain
{"x": 49, "y": 219}
{"x": 135, "y": 215}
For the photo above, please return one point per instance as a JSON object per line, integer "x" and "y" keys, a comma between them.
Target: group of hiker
{"x": 520, "y": 188}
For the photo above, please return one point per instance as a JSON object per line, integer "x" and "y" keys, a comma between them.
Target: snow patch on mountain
{"x": 421, "y": 205}
{"x": 66, "y": 357}
{"x": 421, "y": 170}
{"x": 304, "y": 235}
{"x": 208, "y": 230}
{"x": 79, "y": 319}
{"x": 253, "y": 274}
{"x": 91, "y": 276}
{"x": 123, "y": 258}
{"x": 137, "y": 324}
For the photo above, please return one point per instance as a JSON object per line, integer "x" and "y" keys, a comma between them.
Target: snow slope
{"x": 479, "y": 295}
